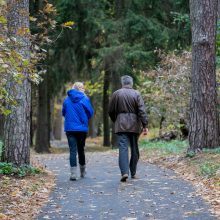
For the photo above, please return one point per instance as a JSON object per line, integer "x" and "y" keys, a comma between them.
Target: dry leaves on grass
{"x": 188, "y": 168}
{"x": 22, "y": 198}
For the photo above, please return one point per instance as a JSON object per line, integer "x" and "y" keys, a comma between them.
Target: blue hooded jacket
{"x": 77, "y": 111}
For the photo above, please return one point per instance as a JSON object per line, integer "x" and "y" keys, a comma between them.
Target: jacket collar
{"x": 127, "y": 86}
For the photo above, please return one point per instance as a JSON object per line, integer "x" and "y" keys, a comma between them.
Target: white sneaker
{"x": 73, "y": 175}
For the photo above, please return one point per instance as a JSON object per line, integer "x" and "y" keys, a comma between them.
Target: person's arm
{"x": 88, "y": 107}
{"x": 142, "y": 112}
{"x": 111, "y": 108}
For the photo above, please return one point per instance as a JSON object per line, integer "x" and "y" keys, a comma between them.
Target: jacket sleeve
{"x": 64, "y": 109}
{"x": 88, "y": 107}
{"x": 142, "y": 112}
{"x": 111, "y": 108}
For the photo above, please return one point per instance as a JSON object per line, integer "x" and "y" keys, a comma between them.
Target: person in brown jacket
{"x": 127, "y": 111}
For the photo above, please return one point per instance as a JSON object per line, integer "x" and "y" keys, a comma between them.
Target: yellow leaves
{"x": 2, "y": 216}
{"x": 25, "y": 62}
{"x": 92, "y": 88}
{"x": 16, "y": 193}
{"x": 49, "y": 8}
{"x": 6, "y": 112}
{"x": 32, "y": 18}
{"x": 3, "y": 20}
{"x": 93, "y": 63}
{"x": 2, "y": 2}
{"x": 23, "y": 31}
{"x": 68, "y": 24}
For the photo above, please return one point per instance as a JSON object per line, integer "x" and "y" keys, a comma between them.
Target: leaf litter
{"x": 22, "y": 198}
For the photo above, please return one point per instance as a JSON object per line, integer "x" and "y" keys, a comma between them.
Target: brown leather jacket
{"x": 127, "y": 110}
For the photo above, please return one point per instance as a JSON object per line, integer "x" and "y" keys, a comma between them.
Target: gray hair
{"x": 126, "y": 80}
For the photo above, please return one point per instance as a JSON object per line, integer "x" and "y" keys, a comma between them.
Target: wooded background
{"x": 169, "y": 47}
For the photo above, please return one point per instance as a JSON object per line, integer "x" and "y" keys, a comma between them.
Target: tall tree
{"x": 45, "y": 14}
{"x": 17, "y": 124}
{"x": 204, "y": 117}
{"x": 119, "y": 9}
{"x": 43, "y": 118}
{"x": 3, "y": 35}
{"x": 106, "y": 85}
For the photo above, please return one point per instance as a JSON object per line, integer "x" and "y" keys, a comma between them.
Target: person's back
{"x": 77, "y": 111}
{"x": 127, "y": 111}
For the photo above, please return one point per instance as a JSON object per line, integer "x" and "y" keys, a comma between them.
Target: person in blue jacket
{"x": 77, "y": 110}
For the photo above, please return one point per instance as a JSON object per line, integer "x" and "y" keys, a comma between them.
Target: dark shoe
{"x": 134, "y": 177}
{"x": 73, "y": 178}
{"x": 82, "y": 171}
{"x": 124, "y": 178}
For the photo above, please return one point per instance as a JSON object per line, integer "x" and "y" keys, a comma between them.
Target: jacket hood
{"x": 75, "y": 95}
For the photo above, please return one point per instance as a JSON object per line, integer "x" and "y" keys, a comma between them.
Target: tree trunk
{"x": 3, "y": 35}
{"x": 17, "y": 124}
{"x": 116, "y": 84}
{"x": 162, "y": 119}
{"x": 204, "y": 118}
{"x": 218, "y": 9}
{"x": 43, "y": 115}
{"x": 1, "y": 127}
{"x": 106, "y": 128}
{"x": 58, "y": 123}
{"x": 52, "y": 117}
{"x": 34, "y": 106}
{"x": 92, "y": 122}
{"x": 43, "y": 123}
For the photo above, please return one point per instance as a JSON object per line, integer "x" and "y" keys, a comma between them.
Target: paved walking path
{"x": 157, "y": 194}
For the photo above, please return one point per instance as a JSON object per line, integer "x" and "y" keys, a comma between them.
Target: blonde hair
{"x": 79, "y": 86}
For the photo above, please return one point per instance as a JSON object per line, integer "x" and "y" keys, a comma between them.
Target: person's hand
{"x": 145, "y": 131}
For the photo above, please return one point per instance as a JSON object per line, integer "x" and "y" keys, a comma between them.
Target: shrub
{"x": 11, "y": 169}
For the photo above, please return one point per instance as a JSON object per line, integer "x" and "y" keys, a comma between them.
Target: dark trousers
{"x": 124, "y": 139}
{"x": 76, "y": 141}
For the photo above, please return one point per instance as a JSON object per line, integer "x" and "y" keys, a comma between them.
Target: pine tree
{"x": 17, "y": 124}
{"x": 204, "y": 117}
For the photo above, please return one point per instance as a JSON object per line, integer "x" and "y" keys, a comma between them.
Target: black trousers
{"x": 76, "y": 141}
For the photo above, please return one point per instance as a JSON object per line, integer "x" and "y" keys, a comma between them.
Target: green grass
{"x": 214, "y": 151}
{"x": 209, "y": 169}
{"x": 165, "y": 147}
{"x": 10, "y": 169}
{"x": 205, "y": 164}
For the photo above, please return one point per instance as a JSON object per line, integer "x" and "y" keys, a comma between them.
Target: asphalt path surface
{"x": 156, "y": 194}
